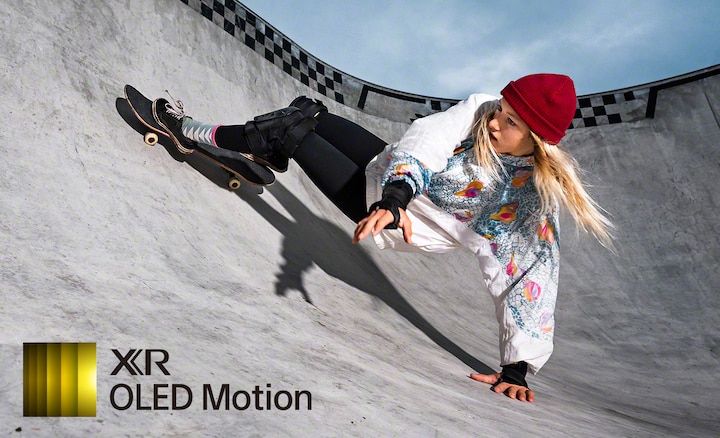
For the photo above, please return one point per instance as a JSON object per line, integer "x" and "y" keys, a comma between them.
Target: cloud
{"x": 489, "y": 72}
{"x": 588, "y": 41}
{"x": 452, "y": 48}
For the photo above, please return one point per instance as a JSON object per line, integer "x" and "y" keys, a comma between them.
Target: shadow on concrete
{"x": 310, "y": 239}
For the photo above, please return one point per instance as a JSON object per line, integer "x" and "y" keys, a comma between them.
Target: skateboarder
{"x": 486, "y": 174}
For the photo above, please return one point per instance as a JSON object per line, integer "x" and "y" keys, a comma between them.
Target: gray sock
{"x": 199, "y": 132}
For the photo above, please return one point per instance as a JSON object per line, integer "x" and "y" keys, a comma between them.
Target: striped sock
{"x": 199, "y": 132}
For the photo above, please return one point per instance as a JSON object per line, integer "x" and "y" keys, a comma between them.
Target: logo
{"x": 59, "y": 379}
{"x": 145, "y": 395}
{"x": 127, "y": 361}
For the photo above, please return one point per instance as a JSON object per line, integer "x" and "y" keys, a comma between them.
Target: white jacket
{"x": 517, "y": 254}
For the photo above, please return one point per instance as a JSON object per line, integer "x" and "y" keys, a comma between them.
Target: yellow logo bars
{"x": 59, "y": 379}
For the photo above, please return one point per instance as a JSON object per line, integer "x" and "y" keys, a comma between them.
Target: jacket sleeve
{"x": 525, "y": 293}
{"x": 430, "y": 141}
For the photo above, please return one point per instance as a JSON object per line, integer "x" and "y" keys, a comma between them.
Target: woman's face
{"x": 508, "y": 133}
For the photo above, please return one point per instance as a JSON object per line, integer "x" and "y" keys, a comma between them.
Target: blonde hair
{"x": 555, "y": 177}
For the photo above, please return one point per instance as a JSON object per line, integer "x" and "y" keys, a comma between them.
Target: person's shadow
{"x": 310, "y": 239}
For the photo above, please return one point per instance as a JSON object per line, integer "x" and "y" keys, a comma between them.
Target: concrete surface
{"x": 105, "y": 240}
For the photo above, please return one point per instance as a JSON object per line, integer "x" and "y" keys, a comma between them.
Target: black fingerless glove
{"x": 514, "y": 374}
{"x": 396, "y": 195}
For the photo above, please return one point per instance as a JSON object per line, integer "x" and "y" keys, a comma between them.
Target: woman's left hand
{"x": 516, "y": 392}
{"x": 377, "y": 220}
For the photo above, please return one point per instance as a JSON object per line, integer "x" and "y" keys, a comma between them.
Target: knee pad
{"x": 279, "y": 132}
{"x": 309, "y": 107}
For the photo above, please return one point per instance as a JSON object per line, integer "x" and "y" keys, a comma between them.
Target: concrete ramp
{"x": 256, "y": 303}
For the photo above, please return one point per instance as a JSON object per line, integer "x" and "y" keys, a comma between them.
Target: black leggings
{"x": 334, "y": 157}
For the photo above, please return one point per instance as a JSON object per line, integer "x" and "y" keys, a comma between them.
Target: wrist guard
{"x": 514, "y": 374}
{"x": 396, "y": 195}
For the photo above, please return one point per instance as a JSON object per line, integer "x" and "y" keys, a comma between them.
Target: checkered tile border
{"x": 244, "y": 25}
{"x": 630, "y": 104}
{"x": 277, "y": 49}
{"x": 607, "y": 109}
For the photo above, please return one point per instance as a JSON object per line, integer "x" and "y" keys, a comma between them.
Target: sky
{"x": 453, "y": 48}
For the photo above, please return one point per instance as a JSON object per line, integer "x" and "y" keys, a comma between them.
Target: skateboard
{"x": 238, "y": 167}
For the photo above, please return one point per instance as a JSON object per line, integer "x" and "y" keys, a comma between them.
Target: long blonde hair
{"x": 555, "y": 177}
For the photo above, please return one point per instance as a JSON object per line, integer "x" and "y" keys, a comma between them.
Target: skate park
{"x": 107, "y": 240}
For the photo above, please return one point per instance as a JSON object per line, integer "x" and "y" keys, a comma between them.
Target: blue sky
{"x": 452, "y": 48}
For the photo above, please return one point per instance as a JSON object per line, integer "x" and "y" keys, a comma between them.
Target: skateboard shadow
{"x": 311, "y": 240}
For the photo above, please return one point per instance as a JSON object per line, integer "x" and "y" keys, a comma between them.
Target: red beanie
{"x": 546, "y": 102}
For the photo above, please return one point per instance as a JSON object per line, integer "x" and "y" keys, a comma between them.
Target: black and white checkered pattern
{"x": 244, "y": 25}
{"x": 602, "y": 109}
{"x": 276, "y": 48}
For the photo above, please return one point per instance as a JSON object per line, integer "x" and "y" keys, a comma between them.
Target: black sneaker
{"x": 170, "y": 117}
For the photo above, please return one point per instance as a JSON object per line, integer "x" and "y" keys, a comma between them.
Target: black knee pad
{"x": 279, "y": 132}
{"x": 309, "y": 107}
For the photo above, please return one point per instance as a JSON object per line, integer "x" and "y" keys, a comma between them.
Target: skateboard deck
{"x": 239, "y": 167}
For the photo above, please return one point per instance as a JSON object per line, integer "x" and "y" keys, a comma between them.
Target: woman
{"x": 486, "y": 175}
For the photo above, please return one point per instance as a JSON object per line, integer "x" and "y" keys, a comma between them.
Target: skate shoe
{"x": 170, "y": 116}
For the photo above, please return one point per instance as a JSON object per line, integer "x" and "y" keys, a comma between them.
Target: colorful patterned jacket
{"x": 458, "y": 204}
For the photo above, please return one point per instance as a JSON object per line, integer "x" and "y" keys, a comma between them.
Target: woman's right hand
{"x": 377, "y": 220}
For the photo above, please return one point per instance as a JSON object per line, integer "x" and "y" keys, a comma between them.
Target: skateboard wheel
{"x": 151, "y": 139}
{"x": 234, "y": 184}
